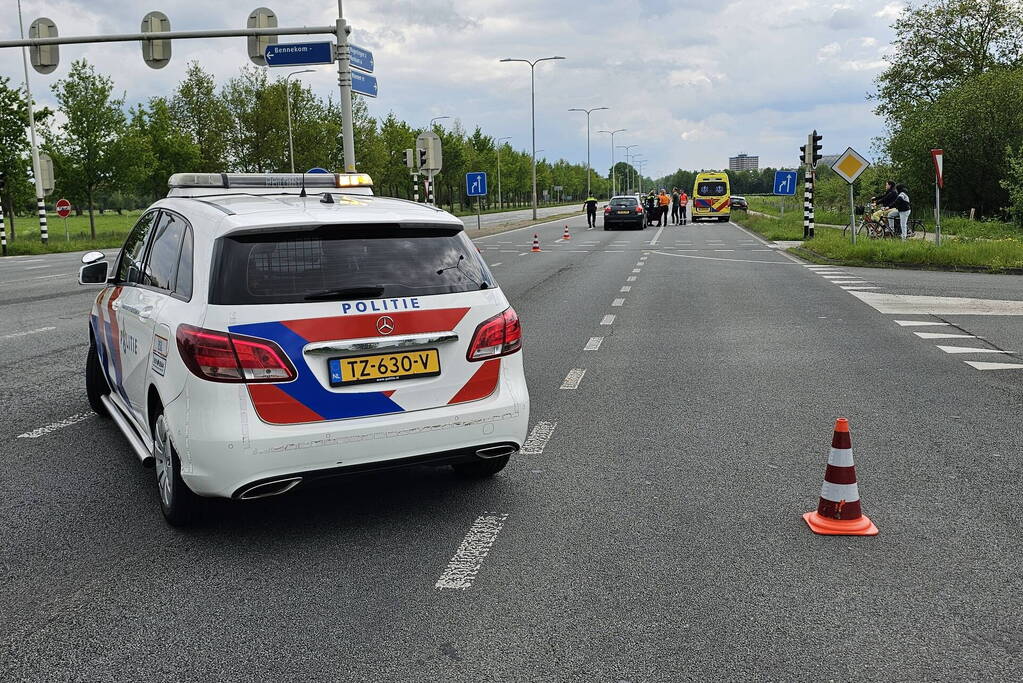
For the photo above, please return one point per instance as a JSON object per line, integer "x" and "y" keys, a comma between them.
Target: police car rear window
{"x": 624, "y": 202}
{"x": 338, "y": 263}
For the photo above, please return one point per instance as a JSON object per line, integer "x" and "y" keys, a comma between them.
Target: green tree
{"x": 88, "y": 149}
{"x": 15, "y": 163}
{"x": 171, "y": 149}
{"x": 940, "y": 44}
{"x": 202, "y": 114}
{"x": 1013, "y": 182}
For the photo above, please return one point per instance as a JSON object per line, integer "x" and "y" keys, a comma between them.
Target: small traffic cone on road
{"x": 536, "y": 242}
{"x": 566, "y": 237}
{"x": 838, "y": 513}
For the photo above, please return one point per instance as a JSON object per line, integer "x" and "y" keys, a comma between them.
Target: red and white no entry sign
{"x": 63, "y": 208}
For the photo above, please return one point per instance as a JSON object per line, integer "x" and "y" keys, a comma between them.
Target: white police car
{"x": 261, "y": 331}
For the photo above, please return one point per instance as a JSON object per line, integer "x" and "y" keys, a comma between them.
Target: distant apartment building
{"x": 744, "y": 162}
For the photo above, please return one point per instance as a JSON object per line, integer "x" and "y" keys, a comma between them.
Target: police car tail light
{"x": 639, "y": 209}
{"x": 222, "y": 357}
{"x": 607, "y": 209}
{"x": 498, "y": 336}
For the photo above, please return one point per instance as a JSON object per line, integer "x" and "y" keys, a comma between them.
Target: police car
{"x": 259, "y": 332}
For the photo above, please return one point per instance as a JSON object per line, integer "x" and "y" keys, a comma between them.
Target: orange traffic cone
{"x": 838, "y": 512}
{"x": 566, "y": 237}
{"x": 536, "y": 242}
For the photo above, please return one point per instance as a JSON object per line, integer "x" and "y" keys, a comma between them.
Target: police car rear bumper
{"x": 228, "y": 454}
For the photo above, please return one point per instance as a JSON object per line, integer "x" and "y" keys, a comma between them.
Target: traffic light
{"x": 410, "y": 158}
{"x": 815, "y": 148}
{"x": 802, "y": 154}
{"x": 422, "y": 158}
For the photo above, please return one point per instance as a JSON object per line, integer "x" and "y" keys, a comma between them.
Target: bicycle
{"x": 876, "y": 229}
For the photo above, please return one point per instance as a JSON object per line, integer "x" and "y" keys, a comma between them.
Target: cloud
{"x": 891, "y": 11}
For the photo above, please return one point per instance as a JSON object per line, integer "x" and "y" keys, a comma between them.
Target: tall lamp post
{"x": 642, "y": 163}
{"x": 497, "y": 143}
{"x": 629, "y": 160}
{"x": 614, "y": 186}
{"x": 532, "y": 109}
{"x": 287, "y": 98}
{"x": 437, "y": 118}
{"x": 588, "y": 112}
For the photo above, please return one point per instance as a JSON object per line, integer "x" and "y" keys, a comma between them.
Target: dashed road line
{"x": 495, "y": 265}
{"x": 858, "y": 287}
{"x": 50, "y": 428}
{"x": 573, "y": 378}
{"x": 608, "y": 320}
{"x": 637, "y": 270}
{"x": 26, "y": 333}
{"x": 631, "y": 278}
{"x": 944, "y": 335}
{"x": 968, "y": 349}
{"x": 626, "y": 288}
{"x": 593, "y": 344}
{"x": 981, "y": 365}
{"x": 657, "y": 236}
{"x": 467, "y": 561}
{"x": 539, "y": 436}
{"x": 919, "y": 323}
{"x": 618, "y": 302}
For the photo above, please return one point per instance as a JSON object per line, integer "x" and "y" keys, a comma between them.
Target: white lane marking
{"x": 495, "y": 265}
{"x": 505, "y": 233}
{"x": 631, "y": 278}
{"x": 467, "y": 561}
{"x": 724, "y": 250}
{"x": 733, "y": 260}
{"x": 857, "y": 281}
{"x": 981, "y": 365}
{"x": 968, "y": 349}
{"x": 66, "y": 422}
{"x": 33, "y": 260}
{"x": 608, "y": 320}
{"x": 573, "y": 378}
{"x": 637, "y": 270}
{"x": 523, "y": 253}
{"x": 38, "y": 267}
{"x": 626, "y": 288}
{"x": 593, "y": 344}
{"x": 943, "y": 335}
{"x": 538, "y": 438}
{"x": 836, "y": 276}
{"x": 912, "y": 304}
{"x": 25, "y": 334}
{"x": 850, "y": 288}
{"x": 657, "y": 236}
{"x": 918, "y": 323}
{"x": 618, "y": 302}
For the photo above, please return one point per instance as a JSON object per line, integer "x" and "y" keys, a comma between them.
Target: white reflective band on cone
{"x": 840, "y": 457}
{"x": 839, "y": 492}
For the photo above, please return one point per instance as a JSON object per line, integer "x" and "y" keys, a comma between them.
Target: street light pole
{"x": 287, "y": 97}
{"x": 588, "y": 112}
{"x": 630, "y": 161}
{"x": 532, "y": 109}
{"x": 641, "y": 163}
{"x": 614, "y": 185}
{"x": 437, "y": 118}
{"x": 500, "y": 204}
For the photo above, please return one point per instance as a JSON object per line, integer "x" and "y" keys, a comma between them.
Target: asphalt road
{"x": 654, "y": 533}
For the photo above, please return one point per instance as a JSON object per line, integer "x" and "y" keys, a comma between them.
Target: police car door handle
{"x": 116, "y": 306}
{"x": 145, "y": 312}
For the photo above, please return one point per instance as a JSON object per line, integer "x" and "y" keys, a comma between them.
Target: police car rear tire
{"x": 95, "y": 383}
{"x": 481, "y": 469}
{"x": 180, "y": 506}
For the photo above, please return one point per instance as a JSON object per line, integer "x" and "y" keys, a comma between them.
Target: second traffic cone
{"x": 536, "y": 242}
{"x": 566, "y": 236}
{"x": 838, "y": 512}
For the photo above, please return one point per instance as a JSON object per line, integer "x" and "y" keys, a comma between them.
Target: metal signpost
{"x": 785, "y": 186}
{"x": 938, "y": 155}
{"x": 849, "y": 166}
{"x": 64, "y": 210}
{"x": 476, "y": 186}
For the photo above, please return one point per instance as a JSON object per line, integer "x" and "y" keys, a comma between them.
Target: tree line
{"x": 109, "y": 156}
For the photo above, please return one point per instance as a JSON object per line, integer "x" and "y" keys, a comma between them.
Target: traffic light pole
{"x": 40, "y": 202}
{"x": 808, "y": 223}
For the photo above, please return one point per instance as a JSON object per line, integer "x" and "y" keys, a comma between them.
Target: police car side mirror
{"x": 94, "y": 273}
{"x": 92, "y": 257}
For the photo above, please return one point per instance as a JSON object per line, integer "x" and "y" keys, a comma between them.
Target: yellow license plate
{"x": 383, "y": 367}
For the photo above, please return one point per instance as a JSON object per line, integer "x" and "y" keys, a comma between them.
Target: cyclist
{"x": 885, "y": 203}
{"x": 903, "y": 208}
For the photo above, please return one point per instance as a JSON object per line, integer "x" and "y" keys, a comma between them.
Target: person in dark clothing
{"x": 652, "y": 208}
{"x": 591, "y": 211}
{"x": 675, "y": 216}
{"x": 885, "y": 202}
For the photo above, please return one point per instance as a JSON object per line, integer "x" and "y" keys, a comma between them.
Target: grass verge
{"x": 992, "y": 256}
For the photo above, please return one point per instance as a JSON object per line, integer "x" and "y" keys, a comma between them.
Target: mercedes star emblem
{"x": 385, "y": 324}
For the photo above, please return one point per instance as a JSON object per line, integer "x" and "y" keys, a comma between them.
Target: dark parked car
{"x": 624, "y": 212}
{"x": 739, "y": 203}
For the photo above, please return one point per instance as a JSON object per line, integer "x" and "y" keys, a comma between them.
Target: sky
{"x": 693, "y": 81}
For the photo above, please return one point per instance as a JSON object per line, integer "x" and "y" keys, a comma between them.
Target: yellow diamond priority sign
{"x": 850, "y": 165}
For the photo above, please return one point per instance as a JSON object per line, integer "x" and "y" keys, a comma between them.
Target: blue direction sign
{"x": 317, "y": 169}
{"x": 364, "y": 84}
{"x": 476, "y": 184}
{"x": 360, "y": 58}
{"x": 299, "y": 54}
{"x": 785, "y": 182}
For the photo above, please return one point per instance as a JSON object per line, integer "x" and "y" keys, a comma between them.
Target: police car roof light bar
{"x": 270, "y": 180}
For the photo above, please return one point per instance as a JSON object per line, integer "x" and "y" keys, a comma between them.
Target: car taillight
{"x": 222, "y": 357}
{"x": 607, "y": 209}
{"x": 498, "y": 336}
{"x": 639, "y": 209}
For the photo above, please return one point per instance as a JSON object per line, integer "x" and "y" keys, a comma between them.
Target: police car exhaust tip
{"x": 269, "y": 488}
{"x": 495, "y": 452}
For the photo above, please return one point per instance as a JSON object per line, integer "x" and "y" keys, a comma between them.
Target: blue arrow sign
{"x": 364, "y": 84}
{"x": 785, "y": 183}
{"x": 476, "y": 184}
{"x": 317, "y": 169}
{"x": 360, "y": 58}
{"x": 299, "y": 54}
